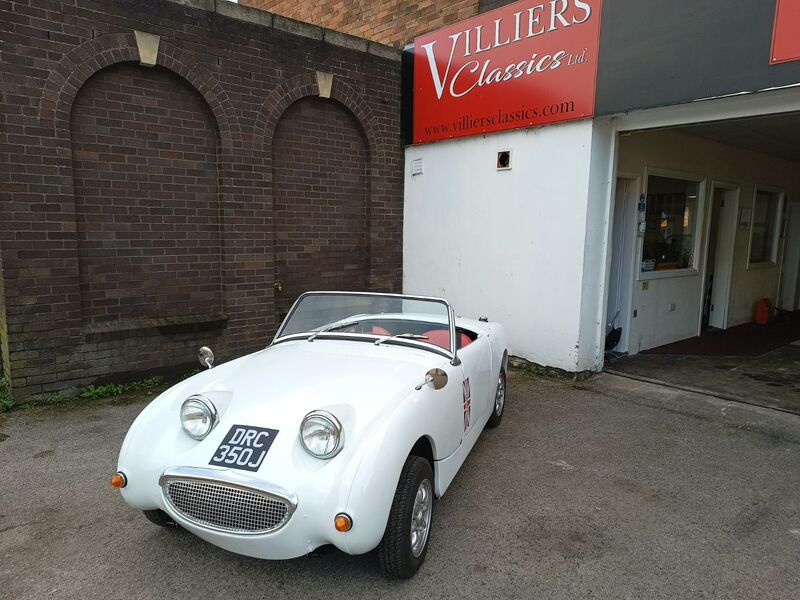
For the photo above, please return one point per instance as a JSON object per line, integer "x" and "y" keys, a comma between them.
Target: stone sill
{"x": 162, "y": 325}
{"x": 232, "y": 10}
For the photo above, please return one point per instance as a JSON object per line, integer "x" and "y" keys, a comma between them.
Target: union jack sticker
{"x": 467, "y": 404}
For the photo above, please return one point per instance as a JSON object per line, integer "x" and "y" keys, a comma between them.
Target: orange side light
{"x": 118, "y": 480}
{"x": 343, "y": 522}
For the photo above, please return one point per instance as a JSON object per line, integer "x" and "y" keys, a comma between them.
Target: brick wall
{"x": 4, "y": 363}
{"x": 392, "y": 22}
{"x": 485, "y": 5}
{"x": 146, "y": 197}
{"x": 320, "y": 228}
{"x": 142, "y": 207}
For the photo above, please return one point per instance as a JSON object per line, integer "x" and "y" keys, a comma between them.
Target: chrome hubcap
{"x": 500, "y": 396}
{"x": 421, "y": 518}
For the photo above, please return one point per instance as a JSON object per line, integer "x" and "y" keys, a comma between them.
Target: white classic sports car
{"x": 341, "y": 432}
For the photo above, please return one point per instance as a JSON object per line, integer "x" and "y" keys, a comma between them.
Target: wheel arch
{"x": 423, "y": 448}
{"x": 375, "y": 480}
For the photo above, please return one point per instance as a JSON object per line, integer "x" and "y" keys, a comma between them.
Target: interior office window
{"x": 764, "y": 227}
{"x": 670, "y": 224}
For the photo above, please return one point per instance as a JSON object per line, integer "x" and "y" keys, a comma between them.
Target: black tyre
{"x": 405, "y": 541}
{"x": 160, "y": 518}
{"x": 499, "y": 401}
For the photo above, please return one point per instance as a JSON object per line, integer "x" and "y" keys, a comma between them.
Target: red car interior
{"x": 441, "y": 337}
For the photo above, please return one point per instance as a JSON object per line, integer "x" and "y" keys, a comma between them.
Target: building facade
{"x": 572, "y": 257}
{"x": 647, "y": 179}
{"x": 175, "y": 173}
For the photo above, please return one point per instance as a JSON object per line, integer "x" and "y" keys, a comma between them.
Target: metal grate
{"x": 228, "y": 508}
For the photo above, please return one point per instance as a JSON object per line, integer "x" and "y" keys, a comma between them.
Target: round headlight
{"x": 198, "y": 416}
{"x": 321, "y": 434}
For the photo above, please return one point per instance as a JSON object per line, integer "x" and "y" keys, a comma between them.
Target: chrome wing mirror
{"x": 436, "y": 378}
{"x": 205, "y": 356}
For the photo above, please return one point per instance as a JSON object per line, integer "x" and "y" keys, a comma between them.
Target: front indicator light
{"x": 343, "y": 522}
{"x": 118, "y": 480}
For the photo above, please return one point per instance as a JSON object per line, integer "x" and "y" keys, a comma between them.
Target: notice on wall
{"x": 786, "y": 32}
{"x": 528, "y": 63}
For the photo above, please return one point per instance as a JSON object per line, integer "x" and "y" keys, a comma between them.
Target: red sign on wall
{"x": 532, "y": 62}
{"x": 786, "y": 33}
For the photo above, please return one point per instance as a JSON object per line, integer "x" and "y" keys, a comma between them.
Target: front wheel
{"x": 405, "y": 541}
{"x": 499, "y": 401}
{"x": 160, "y": 518}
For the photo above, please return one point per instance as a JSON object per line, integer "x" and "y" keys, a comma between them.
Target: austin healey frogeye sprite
{"x": 341, "y": 432}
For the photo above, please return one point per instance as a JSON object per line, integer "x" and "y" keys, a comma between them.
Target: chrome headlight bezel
{"x": 208, "y": 409}
{"x": 332, "y": 423}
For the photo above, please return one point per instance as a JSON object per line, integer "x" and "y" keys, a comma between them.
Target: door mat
{"x": 749, "y": 339}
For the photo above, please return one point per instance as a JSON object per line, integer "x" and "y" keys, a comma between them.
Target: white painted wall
{"x": 665, "y": 149}
{"x": 512, "y": 245}
{"x": 597, "y": 235}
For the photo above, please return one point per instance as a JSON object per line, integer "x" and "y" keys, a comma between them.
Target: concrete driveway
{"x": 608, "y": 489}
{"x": 771, "y": 380}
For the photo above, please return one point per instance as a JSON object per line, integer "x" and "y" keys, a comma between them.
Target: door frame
{"x": 728, "y": 186}
{"x": 737, "y": 106}
{"x": 790, "y": 274}
{"x": 626, "y": 267}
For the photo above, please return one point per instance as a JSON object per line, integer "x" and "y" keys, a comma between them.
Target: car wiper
{"x": 405, "y": 336}
{"x": 333, "y": 327}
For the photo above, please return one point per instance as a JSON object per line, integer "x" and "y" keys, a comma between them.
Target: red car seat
{"x": 441, "y": 338}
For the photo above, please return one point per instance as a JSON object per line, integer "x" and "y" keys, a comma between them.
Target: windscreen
{"x": 409, "y": 318}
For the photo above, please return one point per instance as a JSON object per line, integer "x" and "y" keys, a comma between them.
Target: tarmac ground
{"x": 609, "y": 488}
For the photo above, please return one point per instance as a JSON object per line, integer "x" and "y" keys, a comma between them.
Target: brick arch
{"x": 56, "y": 103}
{"x": 146, "y": 201}
{"x": 76, "y": 67}
{"x": 320, "y": 200}
{"x": 378, "y": 153}
{"x": 305, "y": 85}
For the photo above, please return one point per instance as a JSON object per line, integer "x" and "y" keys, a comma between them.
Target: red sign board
{"x": 529, "y": 63}
{"x": 786, "y": 33}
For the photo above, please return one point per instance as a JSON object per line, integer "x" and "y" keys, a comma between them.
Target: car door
{"x": 477, "y": 397}
{"x": 446, "y": 406}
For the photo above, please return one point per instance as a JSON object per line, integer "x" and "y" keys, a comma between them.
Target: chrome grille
{"x": 225, "y": 507}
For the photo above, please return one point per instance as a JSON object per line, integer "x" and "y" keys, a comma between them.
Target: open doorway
{"x": 721, "y": 247}
{"x": 714, "y": 282}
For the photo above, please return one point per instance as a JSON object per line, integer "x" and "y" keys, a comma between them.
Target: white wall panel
{"x": 508, "y": 245}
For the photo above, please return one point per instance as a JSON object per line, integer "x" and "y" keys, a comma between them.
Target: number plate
{"x": 244, "y": 448}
